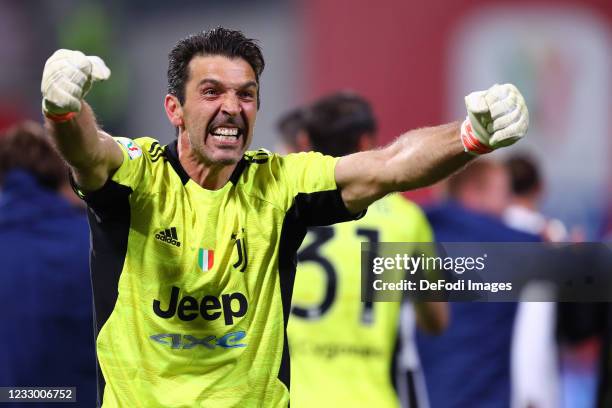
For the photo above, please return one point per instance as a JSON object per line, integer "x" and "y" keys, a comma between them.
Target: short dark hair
{"x": 475, "y": 173}
{"x": 335, "y": 123}
{"x": 218, "y": 41}
{"x": 524, "y": 174}
{"x": 290, "y": 125}
{"x": 27, "y": 147}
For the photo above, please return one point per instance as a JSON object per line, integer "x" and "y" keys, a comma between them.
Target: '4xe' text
{"x": 187, "y": 341}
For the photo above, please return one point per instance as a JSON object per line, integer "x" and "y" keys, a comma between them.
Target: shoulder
{"x": 282, "y": 178}
{"x": 276, "y": 161}
{"x": 308, "y": 163}
{"x": 141, "y": 165}
{"x": 141, "y": 147}
{"x": 269, "y": 166}
{"x": 259, "y": 175}
{"x": 260, "y": 156}
{"x": 260, "y": 166}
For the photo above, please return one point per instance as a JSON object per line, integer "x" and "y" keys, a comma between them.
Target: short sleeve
{"x": 312, "y": 190}
{"x": 132, "y": 170}
{"x": 310, "y": 172}
{"x": 131, "y": 177}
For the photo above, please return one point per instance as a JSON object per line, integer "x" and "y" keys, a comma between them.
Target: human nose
{"x": 231, "y": 104}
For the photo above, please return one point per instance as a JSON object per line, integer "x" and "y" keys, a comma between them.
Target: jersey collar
{"x": 171, "y": 153}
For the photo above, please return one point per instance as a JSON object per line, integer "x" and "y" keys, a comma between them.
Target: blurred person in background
{"x": 347, "y": 353}
{"x": 45, "y": 295}
{"x": 469, "y": 364}
{"x": 523, "y": 213}
{"x": 292, "y": 137}
{"x": 535, "y": 358}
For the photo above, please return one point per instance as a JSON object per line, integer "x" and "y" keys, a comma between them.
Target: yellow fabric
{"x": 152, "y": 361}
{"x": 338, "y": 358}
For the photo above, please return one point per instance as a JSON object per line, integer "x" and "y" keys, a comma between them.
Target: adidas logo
{"x": 168, "y": 235}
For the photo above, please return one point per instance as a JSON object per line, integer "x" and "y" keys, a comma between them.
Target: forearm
{"x": 432, "y": 317}
{"x": 418, "y": 158}
{"x": 78, "y": 139}
{"x": 92, "y": 154}
{"x": 422, "y": 157}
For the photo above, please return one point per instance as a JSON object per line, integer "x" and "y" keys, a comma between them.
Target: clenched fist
{"x": 496, "y": 118}
{"x": 67, "y": 77}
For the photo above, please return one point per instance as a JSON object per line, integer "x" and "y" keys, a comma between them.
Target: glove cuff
{"x": 64, "y": 117}
{"x": 471, "y": 144}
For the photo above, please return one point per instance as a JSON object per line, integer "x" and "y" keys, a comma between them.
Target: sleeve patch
{"x": 133, "y": 150}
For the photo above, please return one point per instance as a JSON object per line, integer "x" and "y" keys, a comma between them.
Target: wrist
{"x": 60, "y": 118}
{"x": 471, "y": 143}
{"x": 56, "y": 114}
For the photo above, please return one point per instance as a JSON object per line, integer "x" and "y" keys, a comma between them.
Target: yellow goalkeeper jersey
{"x": 192, "y": 287}
{"x": 343, "y": 350}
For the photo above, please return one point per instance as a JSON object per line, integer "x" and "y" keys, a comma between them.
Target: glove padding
{"x": 497, "y": 117}
{"x": 67, "y": 77}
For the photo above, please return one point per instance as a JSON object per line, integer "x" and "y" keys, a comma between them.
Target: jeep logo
{"x": 210, "y": 307}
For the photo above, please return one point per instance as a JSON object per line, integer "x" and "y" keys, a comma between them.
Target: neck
{"x": 209, "y": 176}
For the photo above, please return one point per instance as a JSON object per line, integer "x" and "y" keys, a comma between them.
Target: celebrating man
{"x": 194, "y": 243}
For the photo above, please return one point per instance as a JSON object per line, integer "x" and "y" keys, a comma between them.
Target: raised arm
{"x": 497, "y": 117}
{"x": 92, "y": 154}
{"x": 416, "y": 159}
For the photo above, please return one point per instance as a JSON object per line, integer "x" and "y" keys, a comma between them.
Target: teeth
{"x": 225, "y": 138}
{"x": 223, "y": 131}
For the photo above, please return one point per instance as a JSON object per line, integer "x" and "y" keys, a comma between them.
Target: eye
{"x": 209, "y": 92}
{"x": 247, "y": 94}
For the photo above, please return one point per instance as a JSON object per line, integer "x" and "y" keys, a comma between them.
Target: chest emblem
{"x": 206, "y": 259}
{"x": 241, "y": 248}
